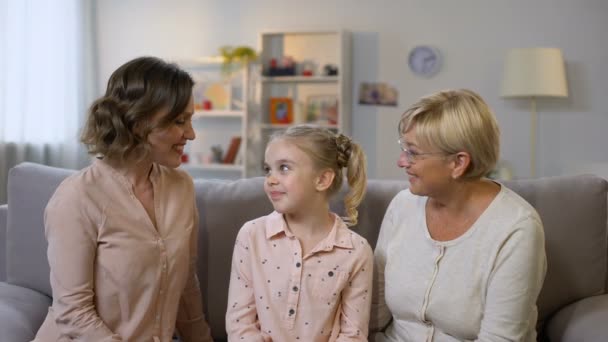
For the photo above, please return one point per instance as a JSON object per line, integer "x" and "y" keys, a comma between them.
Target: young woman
{"x": 122, "y": 233}
{"x": 300, "y": 273}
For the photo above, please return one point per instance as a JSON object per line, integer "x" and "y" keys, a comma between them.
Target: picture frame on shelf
{"x": 322, "y": 109}
{"x": 281, "y": 110}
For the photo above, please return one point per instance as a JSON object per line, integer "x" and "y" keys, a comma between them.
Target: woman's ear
{"x": 325, "y": 180}
{"x": 461, "y": 161}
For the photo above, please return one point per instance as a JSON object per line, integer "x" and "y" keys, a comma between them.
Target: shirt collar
{"x": 339, "y": 236}
{"x": 103, "y": 164}
{"x": 275, "y": 225}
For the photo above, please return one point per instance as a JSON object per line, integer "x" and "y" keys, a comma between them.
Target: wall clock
{"x": 424, "y": 60}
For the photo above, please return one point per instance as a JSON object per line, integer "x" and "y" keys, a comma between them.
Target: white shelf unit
{"x": 313, "y": 48}
{"x": 218, "y": 126}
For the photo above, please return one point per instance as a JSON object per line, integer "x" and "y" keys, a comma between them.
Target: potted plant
{"x": 241, "y": 55}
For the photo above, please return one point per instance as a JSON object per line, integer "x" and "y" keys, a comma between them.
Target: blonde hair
{"x": 456, "y": 121}
{"x": 333, "y": 151}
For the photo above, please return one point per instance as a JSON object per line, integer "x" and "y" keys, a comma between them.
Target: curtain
{"x": 47, "y": 80}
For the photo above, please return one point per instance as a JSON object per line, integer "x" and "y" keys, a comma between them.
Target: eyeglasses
{"x": 412, "y": 156}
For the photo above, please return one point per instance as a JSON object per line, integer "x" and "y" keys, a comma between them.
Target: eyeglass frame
{"x": 413, "y": 156}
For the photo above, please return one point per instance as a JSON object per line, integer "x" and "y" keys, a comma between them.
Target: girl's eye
{"x": 284, "y": 167}
{"x": 266, "y": 170}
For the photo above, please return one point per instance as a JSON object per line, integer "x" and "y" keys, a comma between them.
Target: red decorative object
{"x": 185, "y": 158}
{"x": 307, "y": 73}
{"x": 207, "y": 105}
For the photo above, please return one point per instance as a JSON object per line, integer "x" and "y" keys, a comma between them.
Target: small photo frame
{"x": 322, "y": 109}
{"x": 281, "y": 110}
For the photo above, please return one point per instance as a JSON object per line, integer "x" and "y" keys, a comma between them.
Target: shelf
{"x": 218, "y": 113}
{"x": 201, "y": 61}
{"x": 300, "y": 79}
{"x": 284, "y": 126}
{"x": 212, "y": 167}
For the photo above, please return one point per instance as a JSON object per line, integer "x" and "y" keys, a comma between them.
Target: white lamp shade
{"x": 534, "y": 72}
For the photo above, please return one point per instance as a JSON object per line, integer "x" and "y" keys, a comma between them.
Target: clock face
{"x": 424, "y": 61}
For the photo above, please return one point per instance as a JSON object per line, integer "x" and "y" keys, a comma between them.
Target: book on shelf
{"x": 232, "y": 151}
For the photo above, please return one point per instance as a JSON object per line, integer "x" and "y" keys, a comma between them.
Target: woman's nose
{"x": 403, "y": 161}
{"x": 189, "y": 132}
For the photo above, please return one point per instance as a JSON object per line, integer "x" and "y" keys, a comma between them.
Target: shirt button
{"x": 291, "y": 312}
{"x": 295, "y": 289}
{"x": 298, "y": 264}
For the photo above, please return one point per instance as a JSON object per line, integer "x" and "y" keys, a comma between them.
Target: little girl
{"x": 300, "y": 273}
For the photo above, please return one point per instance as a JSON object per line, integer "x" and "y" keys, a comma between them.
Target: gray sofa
{"x": 573, "y": 304}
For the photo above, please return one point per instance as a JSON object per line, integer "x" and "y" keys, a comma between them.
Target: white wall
{"x": 473, "y": 36}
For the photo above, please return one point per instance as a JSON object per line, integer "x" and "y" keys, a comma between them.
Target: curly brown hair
{"x": 119, "y": 122}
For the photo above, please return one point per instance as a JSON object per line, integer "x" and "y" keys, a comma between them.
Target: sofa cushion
{"x": 573, "y": 211}
{"x": 30, "y": 186}
{"x": 21, "y": 312}
{"x": 581, "y": 321}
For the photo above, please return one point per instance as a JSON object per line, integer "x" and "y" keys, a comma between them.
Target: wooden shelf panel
{"x": 300, "y": 79}
{"x": 219, "y": 113}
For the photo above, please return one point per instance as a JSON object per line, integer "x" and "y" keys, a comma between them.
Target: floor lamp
{"x": 532, "y": 73}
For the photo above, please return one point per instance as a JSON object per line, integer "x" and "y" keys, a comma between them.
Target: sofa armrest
{"x": 22, "y": 312}
{"x": 3, "y": 214}
{"x": 584, "y": 320}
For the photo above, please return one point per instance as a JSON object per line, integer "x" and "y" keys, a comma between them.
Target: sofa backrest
{"x": 30, "y": 186}
{"x": 573, "y": 210}
{"x": 3, "y": 213}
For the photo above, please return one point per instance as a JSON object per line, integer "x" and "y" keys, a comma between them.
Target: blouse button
{"x": 291, "y": 312}
{"x": 298, "y": 264}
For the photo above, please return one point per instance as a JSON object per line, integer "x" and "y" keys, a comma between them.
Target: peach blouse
{"x": 114, "y": 275}
{"x": 278, "y": 294}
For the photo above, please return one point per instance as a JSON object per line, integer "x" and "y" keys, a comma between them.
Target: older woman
{"x": 122, "y": 232}
{"x": 459, "y": 257}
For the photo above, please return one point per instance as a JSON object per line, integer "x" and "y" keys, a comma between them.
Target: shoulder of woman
{"x": 178, "y": 178}
{"x": 73, "y": 189}
{"x": 402, "y": 203}
{"x": 516, "y": 207}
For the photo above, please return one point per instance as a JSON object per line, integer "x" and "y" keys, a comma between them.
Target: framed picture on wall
{"x": 281, "y": 110}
